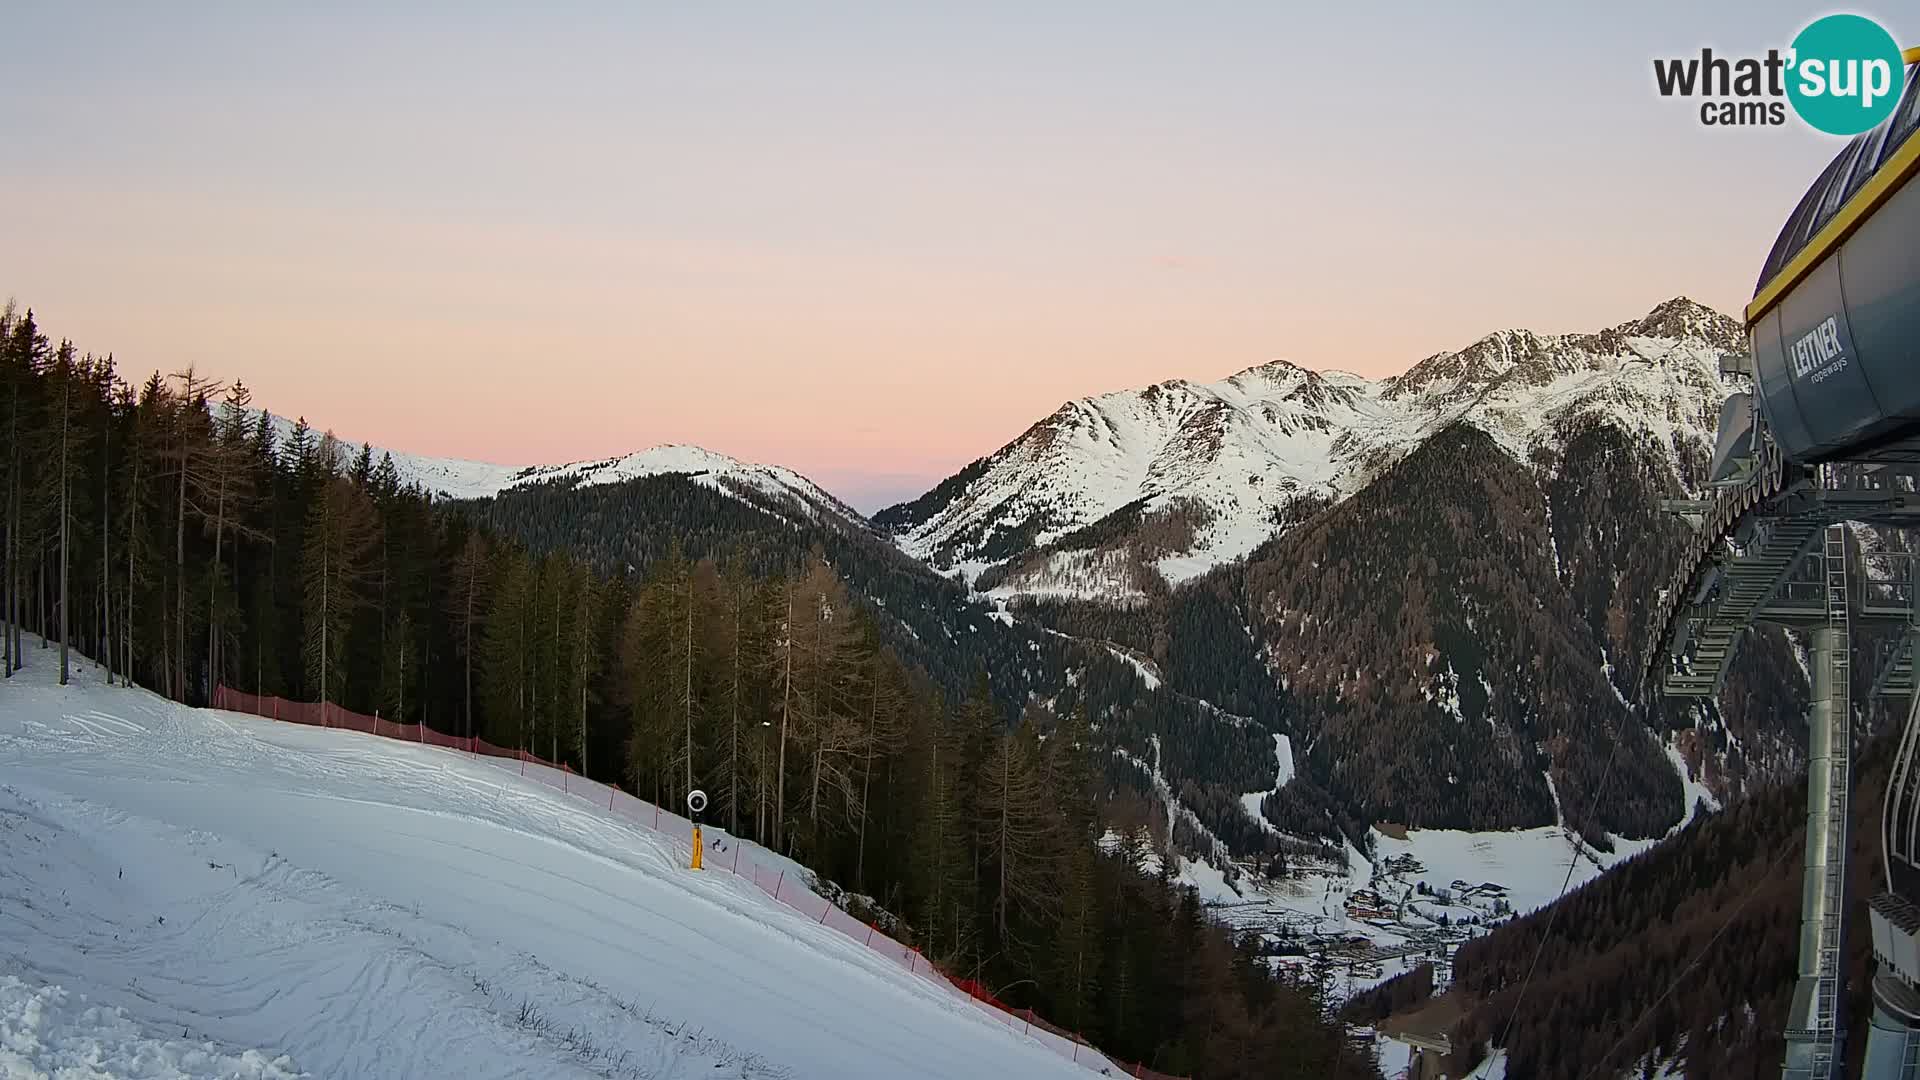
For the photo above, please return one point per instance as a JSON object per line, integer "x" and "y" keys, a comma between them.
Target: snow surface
{"x": 1283, "y": 757}
{"x": 1147, "y": 677}
{"x": 46, "y": 1031}
{"x": 1696, "y": 792}
{"x": 325, "y": 903}
{"x": 1395, "y": 1057}
{"x": 1530, "y": 863}
{"x": 1238, "y": 452}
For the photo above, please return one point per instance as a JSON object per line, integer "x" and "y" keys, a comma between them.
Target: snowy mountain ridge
{"x": 769, "y": 486}
{"x": 1192, "y": 475}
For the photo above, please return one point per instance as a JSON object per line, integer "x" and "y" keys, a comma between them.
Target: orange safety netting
{"x": 771, "y": 880}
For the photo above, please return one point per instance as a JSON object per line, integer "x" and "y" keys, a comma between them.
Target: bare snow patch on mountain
{"x": 1695, "y": 791}
{"x": 1283, "y": 757}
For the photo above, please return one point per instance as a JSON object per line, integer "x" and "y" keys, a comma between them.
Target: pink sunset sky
{"x": 867, "y": 242}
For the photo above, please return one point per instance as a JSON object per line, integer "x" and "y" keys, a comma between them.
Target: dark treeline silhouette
{"x": 1407, "y": 990}
{"x": 181, "y": 540}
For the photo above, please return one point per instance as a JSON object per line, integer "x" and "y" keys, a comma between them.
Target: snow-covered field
{"x": 194, "y": 893}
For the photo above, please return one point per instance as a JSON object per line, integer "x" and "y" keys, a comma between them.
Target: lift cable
{"x": 1553, "y": 910}
{"x": 1765, "y": 876}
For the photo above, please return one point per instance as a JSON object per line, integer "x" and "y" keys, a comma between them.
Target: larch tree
{"x": 646, "y": 685}
{"x": 340, "y": 536}
{"x": 189, "y": 450}
{"x": 886, "y": 728}
{"x": 737, "y": 641}
{"x": 1019, "y": 837}
{"x": 782, "y": 658}
{"x": 825, "y": 659}
{"x": 663, "y": 655}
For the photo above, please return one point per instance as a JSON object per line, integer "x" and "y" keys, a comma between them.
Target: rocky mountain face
{"x": 1117, "y": 497}
{"x": 1436, "y": 584}
{"x": 1433, "y": 584}
{"x": 1454, "y": 639}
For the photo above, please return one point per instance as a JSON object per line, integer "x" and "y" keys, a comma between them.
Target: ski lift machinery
{"x": 1827, "y": 437}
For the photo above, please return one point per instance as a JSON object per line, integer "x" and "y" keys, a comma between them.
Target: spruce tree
{"x": 466, "y": 601}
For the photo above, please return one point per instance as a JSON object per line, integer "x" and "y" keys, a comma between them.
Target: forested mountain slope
{"x": 188, "y": 542}
{"x": 1476, "y": 601}
{"x": 1449, "y": 644}
{"x": 1207, "y": 756}
{"x": 1595, "y": 1005}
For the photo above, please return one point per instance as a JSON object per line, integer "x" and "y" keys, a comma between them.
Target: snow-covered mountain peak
{"x": 1532, "y": 359}
{"x": 1206, "y": 472}
{"x": 1685, "y": 319}
{"x": 770, "y": 486}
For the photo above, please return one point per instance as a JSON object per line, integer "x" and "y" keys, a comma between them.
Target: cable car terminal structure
{"x": 1828, "y": 437}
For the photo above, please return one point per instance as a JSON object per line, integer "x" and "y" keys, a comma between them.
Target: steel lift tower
{"x": 1828, "y": 438}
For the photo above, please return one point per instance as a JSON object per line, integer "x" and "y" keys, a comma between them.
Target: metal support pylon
{"x": 1893, "y": 1030}
{"x": 1816, "y": 1027}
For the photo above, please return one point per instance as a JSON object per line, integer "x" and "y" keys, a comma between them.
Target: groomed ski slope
{"x": 186, "y": 892}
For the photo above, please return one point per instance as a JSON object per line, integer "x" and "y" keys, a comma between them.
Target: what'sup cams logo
{"x": 1843, "y": 75}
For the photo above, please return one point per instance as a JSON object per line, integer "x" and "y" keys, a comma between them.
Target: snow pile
{"x": 371, "y": 908}
{"x": 47, "y": 1032}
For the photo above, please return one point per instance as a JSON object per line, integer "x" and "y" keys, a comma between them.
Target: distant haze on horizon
{"x": 866, "y": 242}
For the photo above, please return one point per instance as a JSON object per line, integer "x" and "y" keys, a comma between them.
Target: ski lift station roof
{"x": 1835, "y": 319}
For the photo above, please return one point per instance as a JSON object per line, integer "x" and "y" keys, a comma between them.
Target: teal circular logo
{"x": 1845, "y": 74}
